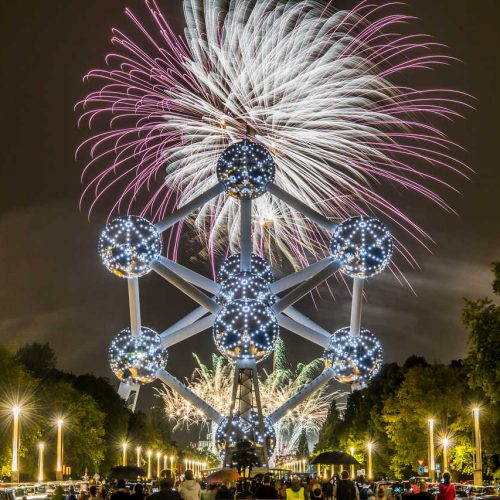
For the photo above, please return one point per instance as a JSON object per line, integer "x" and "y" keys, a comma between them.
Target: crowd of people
{"x": 262, "y": 488}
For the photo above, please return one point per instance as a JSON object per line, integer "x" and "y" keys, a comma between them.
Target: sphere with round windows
{"x": 128, "y": 245}
{"x": 245, "y": 330}
{"x": 258, "y": 267}
{"x": 248, "y": 430}
{"x": 245, "y": 286}
{"x": 363, "y": 246}
{"x": 245, "y": 169}
{"x": 136, "y": 359}
{"x": 355, "y": 359}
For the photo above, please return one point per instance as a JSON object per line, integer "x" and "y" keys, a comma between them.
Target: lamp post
{"x": 59, "y": 459}
{"x": 16, "y": 410}
{"x": 478, "y": 459}
{"x": 172, "y": 465}
{"x": 369, "y": 465}
{"x": 446, "y": 442}
{"x": 165, "y": 458}
{"x": 138, "y": 453}
{"x": 41, "y": 448}
{"x": 149, "y": 463}
{"x": 432, "y": 463}
{"x": 124, "y": 454}
{"x": 158, "y": 457}
{"x": 352, "y": 465}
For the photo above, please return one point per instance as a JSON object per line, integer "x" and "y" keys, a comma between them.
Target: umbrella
{"x": 223, "y": 475}
{"x": 334, "y": 458}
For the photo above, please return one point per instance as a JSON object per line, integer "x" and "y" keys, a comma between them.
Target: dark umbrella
{"x": 334, "y": 458}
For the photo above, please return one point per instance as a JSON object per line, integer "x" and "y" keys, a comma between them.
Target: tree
{"x": 245, "y": 457}
{"x": 303, "y": 446}
{"x": 328, "y": 438}
{"x": 39, "y": 359}
{"x": 482, "y": 319}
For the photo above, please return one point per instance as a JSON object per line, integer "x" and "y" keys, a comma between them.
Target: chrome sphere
{"x": 245, "y": 330}
{"x": 135, "y": 360}
{"x": 245, "y": 169}
{"x": 354, "y": 359}
{"x": 363, "y": 246}
{"x": 128, "y": 245}
{"x": 245, "y": 286}
{"x": 259, "y": 267}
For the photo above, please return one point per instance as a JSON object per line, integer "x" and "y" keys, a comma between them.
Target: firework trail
{"x": 324, "y": 91}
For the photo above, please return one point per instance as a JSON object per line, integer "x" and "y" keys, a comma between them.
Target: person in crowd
{"x": 328, "y": 489}
{"x": 407, "y": 492}
{"x": 381, "y": 493}
{"x": 265, "y": 490}
{"x": 93, "y": 492}
{"x": 71, "y": 495}
{"x": 446, "y": 489}
{"x": 226, "y": 492}
{"x": 246, "y": 492}
{"x": 296, "y": 490}
{"x": 209, "y": 493}
{"x": 166, "y": 492}
{"x": 345, "y": 489}
{"x": 138, "y": 493}
{"x": 316, "y": 492}
{"x": 83, "y": 494}
{"x": 189, "y": 489}
{"x": 121, "y": 491}
{"x": 423, "y": 494}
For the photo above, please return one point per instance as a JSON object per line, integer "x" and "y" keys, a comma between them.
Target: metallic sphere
{"x": 245, "y": 286}
{"x": 245, "y": 429}
{"x": 354, "y": 359}
{"x": 363, "y": 246}
{"x": 128, "y": 245}
{"x": 245, "y": 169}
{"x": 135, "y": 360}
{"x": 231, "y": 267}
{"x": 245, "y": 330}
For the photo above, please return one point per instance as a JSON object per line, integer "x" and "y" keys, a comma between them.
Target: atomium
{"x": 245, "y": 286}
{"x": 354, "y": 359}
{"x": 259, "y": 267}
{"x": 136, "y": 359}
{"x": 245, "y": 329}
{"x": 128, "y": 245}
{"x": 363, "y": 246}
{"x": 245, "y": 169}
{"x": 247, "y": 430}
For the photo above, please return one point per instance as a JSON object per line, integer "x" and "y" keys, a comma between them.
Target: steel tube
{"x": 190, "y": 276}
{"x": 301, "y": 207}
{"x": 301, "y": 318}
{"x": 181, "y": 334}
{"x": 184, "y": 286}
{"x": 189, "y": 207}
{"x": 193, "y": 316}
{"x": 303, "y": 394}
{"x": 245, "y": 235}
{"x": 357, "y": 302}
{"x": 135, "y": 306}
{"x": 304, "y": 331}
{"x": 177, "y": 386}
{"x": 306, "y": 287}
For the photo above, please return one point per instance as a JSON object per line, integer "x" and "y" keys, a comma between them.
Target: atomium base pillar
{"x": 129, "y": 393}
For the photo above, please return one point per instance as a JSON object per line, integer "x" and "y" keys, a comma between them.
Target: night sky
{"x": 53, "y": 287}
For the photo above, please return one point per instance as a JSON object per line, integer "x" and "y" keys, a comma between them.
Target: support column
{"x": 357, "y": 302}
{"x": 245, "y": 235}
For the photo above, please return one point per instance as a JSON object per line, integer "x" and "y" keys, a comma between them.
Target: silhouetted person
{"x": 345, "y": 489}
{"x": 265, "y": 490}
{"x": 166, "y": 492}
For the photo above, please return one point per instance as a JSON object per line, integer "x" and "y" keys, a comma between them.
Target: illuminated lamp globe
{"x": 128, "y": 245}
{"x": 363, "y": 246}
{"x": 245, "y": 169}
{"x": 242, "y": 429}
{"x": 245, "y": 286}
{"x": 135, "y": 360}
{"x": 354, "y": 359}
{"x": 258, "y": 267}
{"x": 245, "y": 330}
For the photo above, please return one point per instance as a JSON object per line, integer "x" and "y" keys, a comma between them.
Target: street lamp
{"x": 16, "y": 410}
{"x": 124, "y": 455}
{"x": 59, "y": 459}
{"x": 370, "y": 468}
{"x": 41, "y": 447}
{"x": 172, "y": 465}
{"x": 478, "y": 460}
{"x": 165, "y": 458}
{"x": 352, "y": 465}
{"x": 138, "y": 452}
{"x": 149, "y": 463}
{"x": 158, "y": 457}
{"x": 432, "y": 463}
{"x": 446, "y": 442}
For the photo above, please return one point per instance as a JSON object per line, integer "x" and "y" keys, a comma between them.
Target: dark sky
{"x": 52, "y": 285}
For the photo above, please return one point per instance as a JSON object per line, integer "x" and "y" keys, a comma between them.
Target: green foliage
{"x": 38, "y": 359}
{"x": 245, "y": 457}
{"x": 302, "y": 446}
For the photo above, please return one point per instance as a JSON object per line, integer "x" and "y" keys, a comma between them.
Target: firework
{"x": 325, "y": 91}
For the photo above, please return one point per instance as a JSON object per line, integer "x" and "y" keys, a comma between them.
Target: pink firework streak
{"x": 317, "y": 87}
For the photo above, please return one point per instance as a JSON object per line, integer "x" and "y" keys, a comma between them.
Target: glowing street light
{"x": 138, "y": 453}
{"x": 172, "y": 464}
{"x": 124, "y": 454}
{"x": 370, "y": 467}
{"x": 158, "y": 457}
{"x": 352, "y": 465}
{"x": 59, "y": 459}
{"x": 446, "y": 442}
{"x": 432, "y": 463}
{"x": 478, "y": 459}
{"x": 165, "y": 458}
{"x": 149, "y": 463}
{"x": 16, "y": 410}
{"x": 41, "y": 448}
